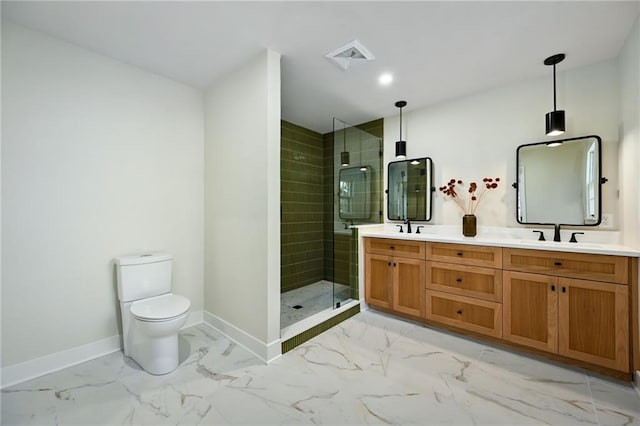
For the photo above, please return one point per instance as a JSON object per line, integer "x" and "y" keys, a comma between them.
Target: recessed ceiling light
{"x": 385, "y": 79}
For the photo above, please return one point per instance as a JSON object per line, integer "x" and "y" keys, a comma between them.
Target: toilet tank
{"x": 143, "y": 276}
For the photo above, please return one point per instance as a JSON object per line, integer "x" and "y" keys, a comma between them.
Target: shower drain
{"x": 297, "y": 307}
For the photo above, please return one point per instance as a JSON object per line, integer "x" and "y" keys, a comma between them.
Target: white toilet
{"x": 151, "y": 314}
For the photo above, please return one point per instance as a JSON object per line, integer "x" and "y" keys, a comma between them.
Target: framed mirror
{"x": 560, "y": 182}
{"x": 354, "y": 193}
{"x": 409, "y": 189}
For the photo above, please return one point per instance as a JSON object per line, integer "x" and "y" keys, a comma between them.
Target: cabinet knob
{"x": 458, "y": 280}
{"x": 459, "y": 312}
{"x": 553, "y": 288}
{"x": 394, "y": 264}
{"x": 388, "y": 263}
{"x": 459, "y": 253}
{"x": 564, "y": 289}
{"x": 392, "y": 247}
{"x": 557, "y": 263}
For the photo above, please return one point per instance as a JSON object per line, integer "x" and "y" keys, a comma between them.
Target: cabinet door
{"x": 472, "y": 281}
{"x": 530, "y": 303}
{"x": 594, "y": 322}
{"x": 408, "y": 286}
{"x": 378, "y": 280}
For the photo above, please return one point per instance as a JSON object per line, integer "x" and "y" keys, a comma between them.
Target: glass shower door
{"x": 357, "y": 183}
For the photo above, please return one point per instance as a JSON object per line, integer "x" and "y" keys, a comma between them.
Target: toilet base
{"x": 157, "y": 355}
{"x": 153, "y": 344}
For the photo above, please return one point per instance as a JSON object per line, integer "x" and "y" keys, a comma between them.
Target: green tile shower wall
{"x": 308, "y": 250}
{"x": 302, "y": 203}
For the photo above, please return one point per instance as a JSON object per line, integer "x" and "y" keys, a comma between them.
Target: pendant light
{"x": 344, "y": 155}
{"x": 401, "y": 146}
{"x": 555, "y": 119}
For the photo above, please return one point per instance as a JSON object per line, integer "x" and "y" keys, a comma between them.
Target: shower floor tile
{"x": 312, "y": 298}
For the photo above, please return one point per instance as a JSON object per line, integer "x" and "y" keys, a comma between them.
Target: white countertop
{"x": 501, "y": 239}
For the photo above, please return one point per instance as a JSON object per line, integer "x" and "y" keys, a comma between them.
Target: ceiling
{"x": 436, "y": 51}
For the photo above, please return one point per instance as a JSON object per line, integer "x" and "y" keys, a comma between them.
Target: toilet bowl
{"x": 151, "y": 315}
{"x": 155, "y": 331}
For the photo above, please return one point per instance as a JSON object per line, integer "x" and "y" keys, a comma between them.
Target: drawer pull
{"x": 459, "y": 312}
{"x": 460, "y": 253}
{"x": 459, "y": 280}
{"x": 388, "y": 263}
{"x": 553, "y": 288}
{"x": 392, "y": 247}
{"x": 564, "y": 289}
{"x": 557, "y": 263}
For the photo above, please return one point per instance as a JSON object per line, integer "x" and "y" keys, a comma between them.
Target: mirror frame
{"x": 601, "y": 180}
{"x": 430, "y": 189}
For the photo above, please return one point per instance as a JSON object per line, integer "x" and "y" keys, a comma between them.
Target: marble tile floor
{"x": 313, "y": 298}
{"x": 370, "y": 369}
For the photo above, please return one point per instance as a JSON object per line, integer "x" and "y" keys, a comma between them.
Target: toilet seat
{"x": 160, "y": 308}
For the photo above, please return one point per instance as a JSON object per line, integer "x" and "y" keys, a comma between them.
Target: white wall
{"x": 629, "y": 61}
{"x": 99, "y": 159}
{"x": 242, "y": 204}
{"x": 477, "y": 136}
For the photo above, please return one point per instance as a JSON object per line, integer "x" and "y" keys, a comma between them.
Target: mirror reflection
{"x": 355, "y": 193}
{"x": 559, "y": 182}
{"x": 409, "y": 189}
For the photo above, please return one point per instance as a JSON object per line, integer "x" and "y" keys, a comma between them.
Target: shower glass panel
{"x": 357, "y": 199}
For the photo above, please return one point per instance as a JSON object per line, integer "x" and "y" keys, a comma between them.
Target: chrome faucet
{"x": 408, "y": 223}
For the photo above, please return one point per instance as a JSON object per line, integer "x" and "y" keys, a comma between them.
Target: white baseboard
{"x": 37, "y": 367}
{"x": 18, "y": 373}
{"x": 194, "y": 318}
{"x": 267, "y": 352}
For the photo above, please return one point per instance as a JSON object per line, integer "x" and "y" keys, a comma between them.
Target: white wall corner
{"x": 266, "y": 352}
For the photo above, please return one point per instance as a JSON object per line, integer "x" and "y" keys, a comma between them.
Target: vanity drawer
{"x": 480, "y": 316}
{"x": 595, "y": 267}
{"x": 465, "y": 254}
{"x": 401, "y": 248}
{"x": 472, "y": 281}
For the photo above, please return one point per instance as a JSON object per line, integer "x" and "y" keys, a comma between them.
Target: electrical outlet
{"x": 607, "y": 221}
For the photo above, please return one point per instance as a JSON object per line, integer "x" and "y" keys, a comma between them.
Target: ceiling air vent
{"x": 351, "y": 53}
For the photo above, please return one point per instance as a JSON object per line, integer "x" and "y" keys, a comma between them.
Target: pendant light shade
{"x": 344, "y": 158}
{"x": 554, "y": 120}
{"x": 555, "y": 123}
{"x": 401, "y": 146}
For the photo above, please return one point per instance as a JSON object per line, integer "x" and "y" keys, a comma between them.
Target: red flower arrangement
{"x": 476, "y": 193}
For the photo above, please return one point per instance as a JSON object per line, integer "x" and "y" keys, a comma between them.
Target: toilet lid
{"x": 161, "y": 307}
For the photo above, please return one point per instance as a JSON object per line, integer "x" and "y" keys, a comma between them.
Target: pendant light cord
{"x": 554, "y": 87}
{"x": 400, "y": 123}
{"x": 344, "y": 136}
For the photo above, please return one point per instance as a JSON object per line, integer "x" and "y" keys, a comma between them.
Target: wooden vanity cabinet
{"x": 587, "y": 320}
{"x": 576, "y": 308}
{"x": 395, "y": 275}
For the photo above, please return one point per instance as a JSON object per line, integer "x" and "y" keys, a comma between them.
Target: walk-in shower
{"x": 328, "y": 184}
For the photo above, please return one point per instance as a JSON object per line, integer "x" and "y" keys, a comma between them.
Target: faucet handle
{"x": 418, "y": 229}
{"x": 541, "y": 238}
{"x": 573, "y": 236}
{"x": 401, "y": 231}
